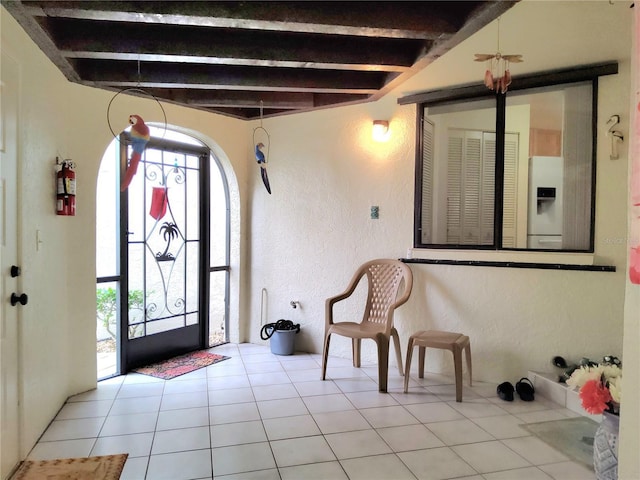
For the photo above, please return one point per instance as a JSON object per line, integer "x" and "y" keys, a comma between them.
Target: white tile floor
{"x": 266, "y": 417}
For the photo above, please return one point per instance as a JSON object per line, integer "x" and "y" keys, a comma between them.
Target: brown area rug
{"x": 107, "y": 467}
{"x": 180, "y": 365}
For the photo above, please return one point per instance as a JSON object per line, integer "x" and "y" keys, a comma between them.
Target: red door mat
{"x": 176, "y": 366}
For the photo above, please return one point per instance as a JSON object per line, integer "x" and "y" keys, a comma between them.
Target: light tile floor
{"x": 266, "y": 417}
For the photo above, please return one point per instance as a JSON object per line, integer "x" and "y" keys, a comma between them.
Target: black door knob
{"x": 21, "y": 299}
{"x": 15, "y": 271}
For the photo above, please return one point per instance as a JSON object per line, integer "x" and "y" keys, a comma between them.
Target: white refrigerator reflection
{"x": 544, "y": 223}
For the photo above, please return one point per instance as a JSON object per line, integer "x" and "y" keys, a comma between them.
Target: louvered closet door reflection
{"x": 464, "y": 187}
{"x": 471, "y": 188}
{"x": 427, "y": 182}
{"x": 488, "y": 181}
{"x": 510, "y": 200}
{"x": 454, "y": 188}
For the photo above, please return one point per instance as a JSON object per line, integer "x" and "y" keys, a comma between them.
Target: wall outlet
{"x": 375, "y": 212}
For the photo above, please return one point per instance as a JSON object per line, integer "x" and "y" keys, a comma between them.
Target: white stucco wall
{"x": 310, "y": 235}
{"x": 304, "y": 241}
{"x": 326, "y": 172}
{"x": 58, "y": 351}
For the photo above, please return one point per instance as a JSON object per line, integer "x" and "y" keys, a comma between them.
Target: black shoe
{"x": 560, "y": 362}
{"x": 505, "y": 391}
{"x": 525, "y": 390}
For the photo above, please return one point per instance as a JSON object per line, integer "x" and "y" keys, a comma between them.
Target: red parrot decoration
{"x": 139, "y": 138}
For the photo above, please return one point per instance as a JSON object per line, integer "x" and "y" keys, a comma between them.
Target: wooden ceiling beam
{"x": 270, "y": 100}
{"x": 79, "y": 38}
{"x": 252, "y": 99}
{"x": 236, "y": 98}
{"x": 232, "y": 61}
{"x": 229, "y": 86}
{"x": 424, "y": 20}
{"x": 121, "y": 41}
{"x": 215, "y": 77}
{"x": 245, "y": 113}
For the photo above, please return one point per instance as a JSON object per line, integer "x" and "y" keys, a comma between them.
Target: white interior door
{"x": 9, "y": 314}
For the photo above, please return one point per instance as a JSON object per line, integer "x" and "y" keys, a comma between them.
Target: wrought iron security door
{"x": 166, "y": 243}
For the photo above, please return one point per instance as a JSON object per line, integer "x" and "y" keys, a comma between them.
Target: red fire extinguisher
{"x": 66, "y": 189}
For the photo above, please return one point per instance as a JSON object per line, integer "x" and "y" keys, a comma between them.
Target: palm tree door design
{"x": 164, "y": 215}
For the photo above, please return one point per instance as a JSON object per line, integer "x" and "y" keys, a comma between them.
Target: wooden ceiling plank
{"x": 249, "y": 103}
{"x": 223, "y": 86}
{"x": 217, "y": 77}
{"x": 245, "y": 113}
{"x": 244, "y": 99}
{"x": 84, "y": 39}
{"x": 231, "y": 61}
{"x": 369, "y": 19}
{"x": 250, "y": 99}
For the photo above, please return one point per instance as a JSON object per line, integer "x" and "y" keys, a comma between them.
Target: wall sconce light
{"x": 381, "y": 130}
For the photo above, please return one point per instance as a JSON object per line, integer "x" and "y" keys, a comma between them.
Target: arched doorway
{"x": 163, "y": 253}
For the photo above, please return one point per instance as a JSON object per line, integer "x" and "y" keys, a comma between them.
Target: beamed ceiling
{"x": 234, "y": 57}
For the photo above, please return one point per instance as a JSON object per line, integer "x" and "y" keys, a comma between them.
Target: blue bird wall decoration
{"x": 262, "y": 161}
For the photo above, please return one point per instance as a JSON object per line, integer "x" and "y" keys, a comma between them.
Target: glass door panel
{"x": 164, "y": 251}
{"x": 219, "y": 257}
{"x": 218, "y": 291}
